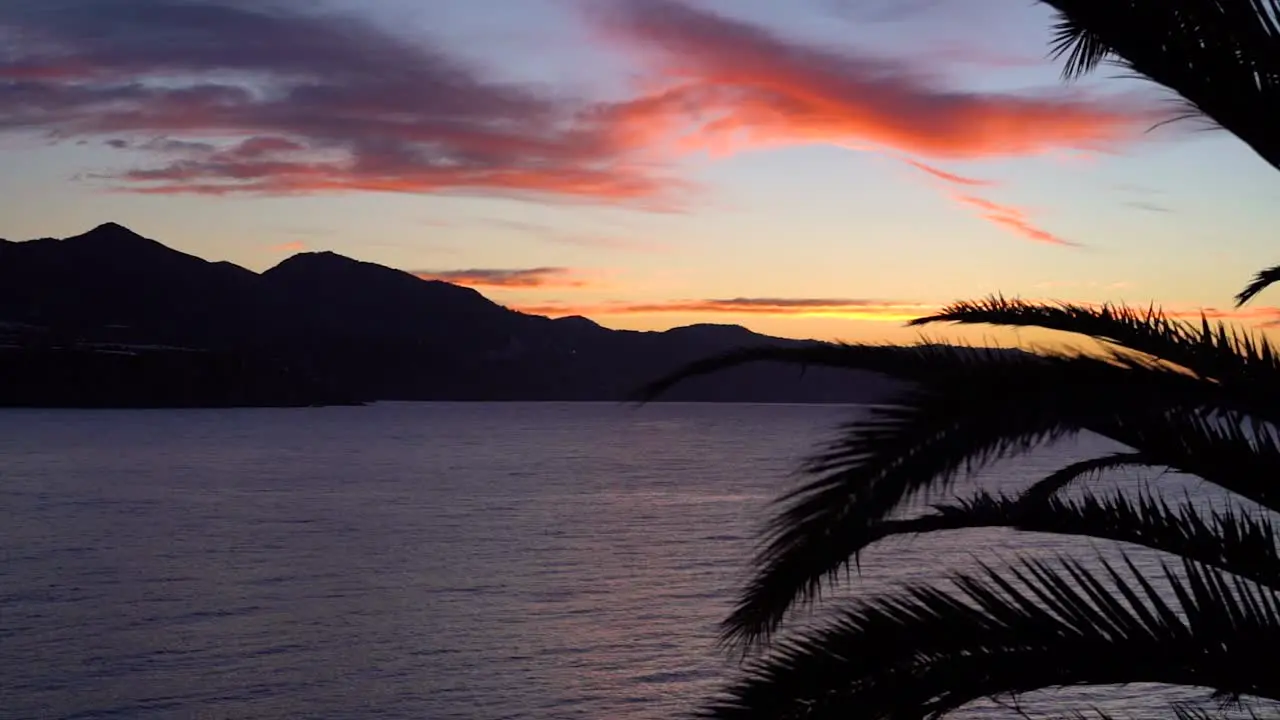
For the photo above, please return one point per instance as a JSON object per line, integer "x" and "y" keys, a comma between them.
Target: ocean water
{"x": 428, "y": 561}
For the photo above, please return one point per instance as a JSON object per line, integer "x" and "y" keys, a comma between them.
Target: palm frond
{"x": 922, "y": 651}
{"x": 1059, "y": 479}
{"x": 890, "y": 457}
{"x": 872, "y": 473}
{"x": 968, "y": 408}
{"x": 806, "y": 546}
{"x": 1263, "y": 280}
{"x": 903, "y": 362}
{"x": 1244, "y": 460}
{"x": 963, "y": 414}
{"x": 1221, "y": 56}
{"x": 1083, "y": 50}
{"x": 1227, "y": 539}
{"x": 805, "y": 552}
{"x": 1210, "y": 350}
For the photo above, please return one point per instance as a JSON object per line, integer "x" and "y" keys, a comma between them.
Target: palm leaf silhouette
{"x": 1263, "y": 280}
{"x": 924, "y": 651}
{"x": 1196, "y": 398}
{"x": 967, "y": 410}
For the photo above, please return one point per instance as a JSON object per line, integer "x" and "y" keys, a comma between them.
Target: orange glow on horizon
{"x": 805, "y": 308}
{"x": 751, "y": 310}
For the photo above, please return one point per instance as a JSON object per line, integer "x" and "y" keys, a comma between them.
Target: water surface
{"x": 426, "y": 561}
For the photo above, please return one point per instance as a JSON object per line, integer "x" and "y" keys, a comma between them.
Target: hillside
{"x": 322, "y": 328}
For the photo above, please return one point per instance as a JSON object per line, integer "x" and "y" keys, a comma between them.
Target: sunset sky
{"x": 808, "y": 168}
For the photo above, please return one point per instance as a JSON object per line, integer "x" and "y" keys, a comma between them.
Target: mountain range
{"x": 111, "y": 318}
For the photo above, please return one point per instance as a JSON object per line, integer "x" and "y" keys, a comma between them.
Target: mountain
{"x": 111, "y": 318}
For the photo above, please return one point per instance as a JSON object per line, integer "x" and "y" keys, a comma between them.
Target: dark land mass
{"x": 112, "y": 319}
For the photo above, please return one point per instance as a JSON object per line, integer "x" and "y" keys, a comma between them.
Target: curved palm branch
{"x": 917, "y": 362}
{"x": 828, "y": 521}
{"x": 1263, "y": 280}
{"x": 1228, "y": 540}
{"x": 922, "y": 651}
{"x": 1046, "y": 488}
{"x": 1209, "y": 350}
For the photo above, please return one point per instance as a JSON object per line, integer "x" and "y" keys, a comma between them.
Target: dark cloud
{"x": 1148, "y": 206}
{"x": 948, "y": 176}
{"x": 311, "y": 101}
{"x": 178, "y": 147}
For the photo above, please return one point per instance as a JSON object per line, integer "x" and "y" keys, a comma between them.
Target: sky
{"x": 807, "y": 168}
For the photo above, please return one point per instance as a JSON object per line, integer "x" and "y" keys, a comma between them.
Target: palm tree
{"x": 1196, "y": 398}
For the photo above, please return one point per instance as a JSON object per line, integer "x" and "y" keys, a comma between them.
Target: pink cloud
{"x": 729, "y": 84}
{"x": 1012, "y": 219}
{"x": 949, "y": 177}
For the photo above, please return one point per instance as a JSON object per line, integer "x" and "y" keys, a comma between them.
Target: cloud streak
{"x": 846, "y": 308}
{"x": 868, "y": 310}
{"x": 1006, "y": 217}
{"x": 1260, "y": 316}
{"x": 1148, "y": 206}
{"x": 1011, "y": 219}
{"x": 525, "y": 278}
{"x": 949, "y": 177}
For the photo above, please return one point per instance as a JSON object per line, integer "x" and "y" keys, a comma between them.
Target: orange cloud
{"x": 842, "y": 308}
{"x": 850, "y": 309}
{"x": 301, "y": 178}
{"x": 1265, "y": 316}
{"x": 725, "y": 84}
{"x": 291, "y": 247}
{"x": 1012, "y": 219}
{"x": 543, "y": 277}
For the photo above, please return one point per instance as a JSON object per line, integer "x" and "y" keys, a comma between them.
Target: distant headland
{"x": 112, "y": 319}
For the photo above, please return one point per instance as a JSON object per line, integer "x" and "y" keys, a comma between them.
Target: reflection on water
{"x": 400, "y": 561}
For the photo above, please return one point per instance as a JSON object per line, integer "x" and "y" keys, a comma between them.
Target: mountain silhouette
{"x": 111, "y": 318}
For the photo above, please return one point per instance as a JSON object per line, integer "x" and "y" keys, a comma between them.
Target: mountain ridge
{"x": 349, "y": 330}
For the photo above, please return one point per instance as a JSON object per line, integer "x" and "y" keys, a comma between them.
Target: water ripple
{"x": 399, "y": 561}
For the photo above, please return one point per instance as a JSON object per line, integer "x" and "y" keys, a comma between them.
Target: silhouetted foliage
{"x": 1195, "y": 398}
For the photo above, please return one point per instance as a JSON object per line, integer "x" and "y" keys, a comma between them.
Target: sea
{"x": 425, "y": 561}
